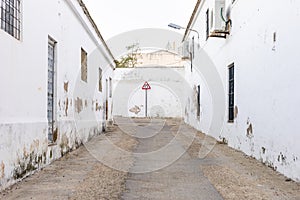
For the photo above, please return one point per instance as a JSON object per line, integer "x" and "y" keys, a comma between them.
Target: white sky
{"x": 114, "y": 17}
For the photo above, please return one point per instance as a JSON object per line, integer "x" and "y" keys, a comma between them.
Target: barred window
{"x": 198, "y": 101}
{"x": 231, "y": 93}
{"x": 11, "y": 17}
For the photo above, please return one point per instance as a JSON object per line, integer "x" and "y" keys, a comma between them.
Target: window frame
{"x": 207, "y": 24}
{"x": 10, "y": 17}
{"x": 52, "y": 131}
{"x": 231, "y": 93}
{"x": 198, "y": 101}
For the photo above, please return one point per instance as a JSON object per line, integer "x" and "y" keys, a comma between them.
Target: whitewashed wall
{"x": 266, "y": 80}
{"x": 23, "y": 87}
{"x": 165, "y": 99}
{"x": 194, "y": 79}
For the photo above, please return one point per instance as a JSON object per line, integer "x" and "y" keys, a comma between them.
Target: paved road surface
{"x": 181, "y": 179}
{"x": 158, "y": 159}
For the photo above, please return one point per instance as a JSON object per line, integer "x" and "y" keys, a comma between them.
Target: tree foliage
{"x": 130, "y": 60}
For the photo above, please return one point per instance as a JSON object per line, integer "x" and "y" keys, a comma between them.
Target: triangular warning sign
{"x": 146, "y": 86}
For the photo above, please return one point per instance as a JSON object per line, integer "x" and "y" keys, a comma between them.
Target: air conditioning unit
{"x": 217, "y": 22}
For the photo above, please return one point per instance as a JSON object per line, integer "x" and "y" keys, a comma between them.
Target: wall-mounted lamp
{"x": 178, "y": 27}
{"x": 175, "y": 26}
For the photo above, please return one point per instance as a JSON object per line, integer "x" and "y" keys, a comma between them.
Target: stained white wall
{"x": 23, "y": 86}
{"x": 266, "y": 80}
{"x": 195, "y": 78}
{"x": 165, "y": 99}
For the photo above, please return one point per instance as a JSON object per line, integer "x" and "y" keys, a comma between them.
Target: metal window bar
{"x": 231, "y": 93}
{"x": 10, "y": 17}
{"x": 50, "y": 107}
{"x": 198, "y": 100}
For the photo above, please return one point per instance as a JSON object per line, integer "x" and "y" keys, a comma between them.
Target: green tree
{"x": 130, "y": 60}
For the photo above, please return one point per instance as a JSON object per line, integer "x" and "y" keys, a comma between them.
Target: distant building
{"x": 159, "y": 58}
{"x": 163, "y": 70}
{"x": 55, "y": 83}
{"x": 247, "y": 70}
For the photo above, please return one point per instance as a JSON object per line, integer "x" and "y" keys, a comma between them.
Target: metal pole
{"x": 146, "y": 102}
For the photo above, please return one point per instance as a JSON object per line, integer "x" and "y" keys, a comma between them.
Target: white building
{"x": 257, "y": 55}
{"x": 56, "y": 81}
{"x": 164, "y": 71}
{"x": 159, "y": 58}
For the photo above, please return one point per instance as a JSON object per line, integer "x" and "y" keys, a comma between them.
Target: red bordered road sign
{"x": 146, "y": 86}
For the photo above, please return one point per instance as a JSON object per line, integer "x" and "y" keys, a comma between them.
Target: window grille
{"x": 10, "y": 17}
{"x": 231, "y": 93}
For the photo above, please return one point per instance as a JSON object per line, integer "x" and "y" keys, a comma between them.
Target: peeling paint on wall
{"x": 295, "y": 158}
{"x": 35, "y": 152}
{"x": 236, "y": 112}
{"x": 55, "y": 134}
{"x": 67, "y": 107}
{"x": 136, "y": 109}
{"x": 64, "y": 145}
{"x": 29, "y": 161}
{"x": 268, "y": 109}
{"x": 24, "y": 138}
{"x": 34, "y": 145}
{"x": 195, "y": 97}
{"x": 2, "y": 169}
{"x": 98, "y": 107}
{"x": 223, "y": 140}
{"x": 66, "y": 86}
{"x": 263, "y": 149}
{"x": 282, "y": 159}
{"x": 187, "y": 109}
{"x": 249, "y": 129}
{"x": 270, "y": 164}
{"x": 78, "y": 105}
{"x": 93, "y": 105}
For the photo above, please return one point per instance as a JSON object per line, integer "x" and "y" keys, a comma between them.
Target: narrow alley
{"x": 149, "y": 100}
{"x": 223, "y": 174}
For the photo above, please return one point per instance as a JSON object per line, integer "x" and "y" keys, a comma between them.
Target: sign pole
{"x": 146, "y": 87}
{"x": 146, "y": 103}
